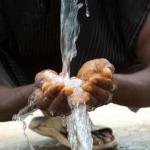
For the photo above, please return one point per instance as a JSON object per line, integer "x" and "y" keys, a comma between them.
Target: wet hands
{"x": 98, "y": 86}
{"x": 51, "y": 96}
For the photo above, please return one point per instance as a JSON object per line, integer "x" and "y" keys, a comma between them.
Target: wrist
{"x": 25, "y": 92}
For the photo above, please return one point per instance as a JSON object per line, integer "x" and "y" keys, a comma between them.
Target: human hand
{"x": 51, "y": 96}
{"x": 98, "y": 86}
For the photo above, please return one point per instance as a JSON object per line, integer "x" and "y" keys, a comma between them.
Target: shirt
{"x": 30, "y": 32}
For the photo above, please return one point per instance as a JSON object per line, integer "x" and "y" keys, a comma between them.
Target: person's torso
{"x": 34, "y": 27}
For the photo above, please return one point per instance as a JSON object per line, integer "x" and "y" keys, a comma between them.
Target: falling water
{"x": 24, "y": 126}
{"x": 78, "y": 123}
{"x": 87, "y": 9}
{"x": 23, "y": 113}
{"x": 69, "y": 32}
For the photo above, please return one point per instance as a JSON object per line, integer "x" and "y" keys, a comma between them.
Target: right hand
{"x": 98, "y": 84}
{"x": 49, "y": 96}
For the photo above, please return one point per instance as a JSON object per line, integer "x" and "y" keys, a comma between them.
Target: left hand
{"x": 99, "y": 86}
{"x": 51, "y": 94}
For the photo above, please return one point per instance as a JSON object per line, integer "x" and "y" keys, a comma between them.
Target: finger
{"x": 81, "y": 98}
{"x": 49, "y": 95}
{"x": 68, "y": 90}
{"x": 104, "y": 67}
{"x": 98, "y": 93}
{"x": 107, "y": 72}
{"x": 86, "y": 97}
{"x": 45, "y": 75}
{"x": 60, "y": 104}
{"x": 38, "y": 99}
{"x": 53, "y": 90}
{"x": 93, "y": 103}
{"x": 46, "y": 85}
{"x": 102, "y": 82}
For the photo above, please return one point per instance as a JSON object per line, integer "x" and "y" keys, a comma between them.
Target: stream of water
{"x": 78, "y": 123}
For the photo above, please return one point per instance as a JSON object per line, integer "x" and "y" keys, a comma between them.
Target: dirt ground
{"x": 132, "y": 130}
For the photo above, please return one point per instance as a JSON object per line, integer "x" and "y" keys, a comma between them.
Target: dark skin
{"x": 133, "y": 88}
{"x": 12, "y": 100}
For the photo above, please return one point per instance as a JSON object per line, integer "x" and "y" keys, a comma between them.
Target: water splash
{"x": 79, "y": 129}
{"x": 24, "y": 126}
{"x": 78, "y": 123}
{"x": 23, "y": 113}
{"x": 87, "y": 8}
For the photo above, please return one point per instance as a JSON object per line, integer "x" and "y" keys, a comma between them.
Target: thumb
{"x": 108, "y": 71}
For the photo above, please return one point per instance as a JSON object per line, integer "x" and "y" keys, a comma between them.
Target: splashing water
{"x": 23, "y": 113}
{"x": 78, "y": 123}
{"x": 25, "y": 135}
{"x": 87, "y": 9}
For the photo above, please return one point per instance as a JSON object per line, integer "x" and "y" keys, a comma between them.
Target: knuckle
{"x": 46, "y": 85}
{"x": 113, "y": 88}
{"x": 67, "y": 91}
{"x": 109, "y": 99}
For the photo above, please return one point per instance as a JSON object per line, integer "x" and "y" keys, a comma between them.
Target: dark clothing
{"x": 29, "y": 35}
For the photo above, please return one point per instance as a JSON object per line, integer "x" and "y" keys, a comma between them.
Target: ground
{"x": 132, "y": 130}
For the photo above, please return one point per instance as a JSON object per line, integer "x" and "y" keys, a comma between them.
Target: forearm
{"x": 133, "y": 89}
{"x": 12, "y": 100}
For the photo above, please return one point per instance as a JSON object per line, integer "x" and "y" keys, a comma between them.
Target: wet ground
{"x": 132, "y": 130}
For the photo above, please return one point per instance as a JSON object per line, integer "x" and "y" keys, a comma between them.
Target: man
{"x": 29, "y": 42}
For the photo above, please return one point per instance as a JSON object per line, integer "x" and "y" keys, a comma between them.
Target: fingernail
{"x": 87, "y": 87}
{"x": 68, "y": 91}
{"x": 59, "y": 85}
{"x": 46, "y": 85}
{"x": 107, "y": 72}
{"x": 86, "y": 97}
{"x": 112, "y": 69}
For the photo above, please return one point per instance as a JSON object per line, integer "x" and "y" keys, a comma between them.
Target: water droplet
{"x": 87, "y": 9}
{"x": 80, "y": 5}
{"x": 51, "y": 113}
{"x": 45, "y": 99}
